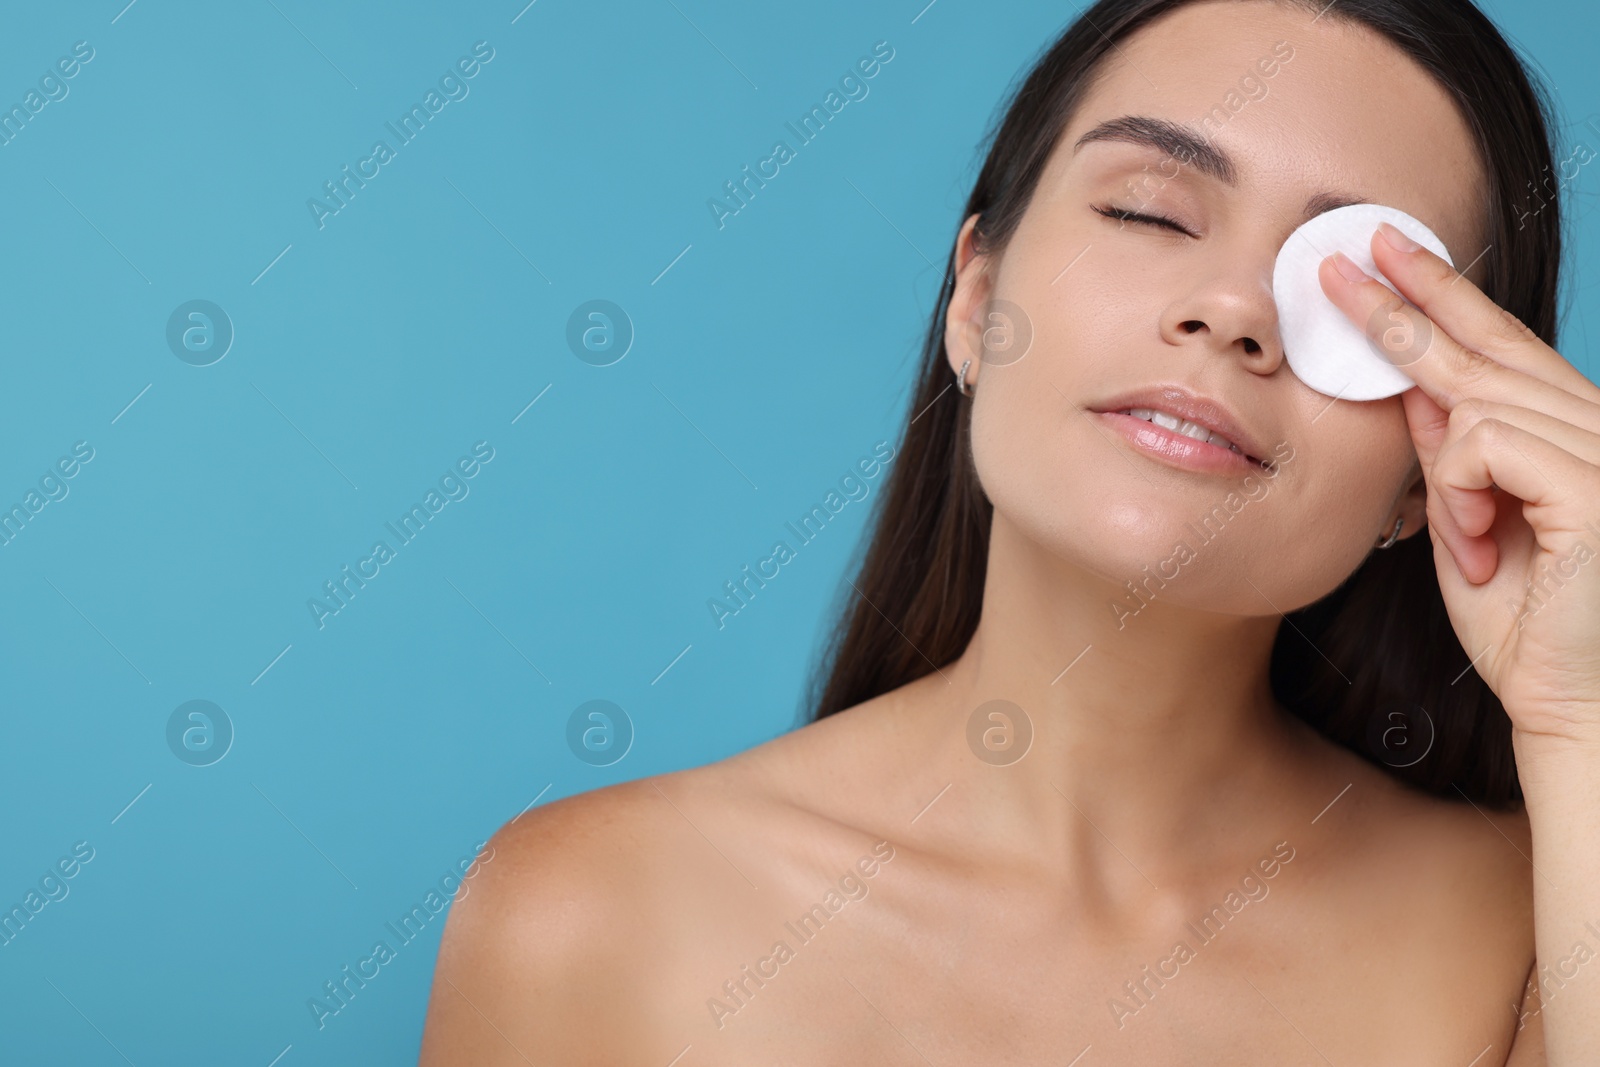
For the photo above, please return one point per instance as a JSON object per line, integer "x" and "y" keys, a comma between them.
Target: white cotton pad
{"x": 1324, "y": 348}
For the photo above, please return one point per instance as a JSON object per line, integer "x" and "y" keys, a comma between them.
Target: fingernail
{"x": 1343, "y": 264}
{"x": 1396, "y": 239}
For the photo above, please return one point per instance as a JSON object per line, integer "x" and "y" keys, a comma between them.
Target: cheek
{"x": 1019, "y": 446}
{"x": 1344, "y": 480}
{"x": 1076, "y": 269}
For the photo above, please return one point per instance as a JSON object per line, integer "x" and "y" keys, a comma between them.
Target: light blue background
{"x": 423, "y": 318}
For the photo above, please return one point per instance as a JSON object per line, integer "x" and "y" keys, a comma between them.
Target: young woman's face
{"x": 1116, "y": 306}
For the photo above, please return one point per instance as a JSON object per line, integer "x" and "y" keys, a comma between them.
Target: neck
{"x": 1154, "y": 727}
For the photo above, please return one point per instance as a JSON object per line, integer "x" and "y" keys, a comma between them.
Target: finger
{"x": 1552, "y": 483}
{"x": 1573, "y": 439}
{"x": 1471, "y": 513}
{"x": 1409, "y": 339}
{"x": 1457, "y": 306}
{"x": 1440, "y": 366}
{"x": 1428, "y": 423}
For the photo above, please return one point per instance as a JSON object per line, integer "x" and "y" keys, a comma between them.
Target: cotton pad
{"x": 1324, "y": 348}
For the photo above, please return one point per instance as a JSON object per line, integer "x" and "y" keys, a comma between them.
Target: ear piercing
{"x": 1395, "y": 536}
{"x": 961, "y": 380}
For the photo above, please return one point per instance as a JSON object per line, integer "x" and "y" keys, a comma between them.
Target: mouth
{"x": 1187, "y": 428}
{"x": 1173, "y": 424}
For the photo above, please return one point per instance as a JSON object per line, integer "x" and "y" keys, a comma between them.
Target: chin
{"x": 1166, "y": 553}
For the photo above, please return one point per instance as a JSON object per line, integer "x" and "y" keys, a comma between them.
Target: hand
{"x": 1508, "y": 435}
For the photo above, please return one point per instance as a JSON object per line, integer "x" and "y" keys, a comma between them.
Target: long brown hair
{"x": 916, "y": 599}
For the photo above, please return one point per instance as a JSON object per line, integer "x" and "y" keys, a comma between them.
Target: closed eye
{"x": 1113, "y": 212}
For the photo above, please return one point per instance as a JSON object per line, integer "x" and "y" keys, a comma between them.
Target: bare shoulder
{"x": 596, "y": 909}
{"x": 544, "y": 919}
{"x": 1481, "y": 855}
{"x": 1482, "y": 850}
{"x": 1447, "y": 877}
{"x": 1447, "y": 833}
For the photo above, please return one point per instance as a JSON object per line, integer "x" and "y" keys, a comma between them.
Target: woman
{"x": 1262, "y": 809}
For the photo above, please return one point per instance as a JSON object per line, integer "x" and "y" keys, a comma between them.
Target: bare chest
{"x": 982, "y": 988}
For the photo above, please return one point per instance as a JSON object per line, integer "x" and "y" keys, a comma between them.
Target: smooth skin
{"x": 1016, "y": 900}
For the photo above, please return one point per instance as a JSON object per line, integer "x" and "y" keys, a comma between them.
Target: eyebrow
{"x": 1189, "y": 148}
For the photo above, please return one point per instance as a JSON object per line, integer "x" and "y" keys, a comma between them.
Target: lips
{"x": 1180, "y": 411}
{"x": 1167, "y": 420}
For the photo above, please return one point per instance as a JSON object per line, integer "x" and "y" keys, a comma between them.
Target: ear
{"x": 1414, "y": 504}
{"x": 963, "y": 324}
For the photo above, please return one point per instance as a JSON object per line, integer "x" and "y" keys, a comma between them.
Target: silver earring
{"x": 961, "y": 379}
{"x": 1395, "y": 536}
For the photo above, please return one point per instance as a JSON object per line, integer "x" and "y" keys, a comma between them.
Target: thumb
{"x": 1428, "y": 423}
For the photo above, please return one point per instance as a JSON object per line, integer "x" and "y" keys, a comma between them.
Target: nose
{"x": 1229, "y": 312}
